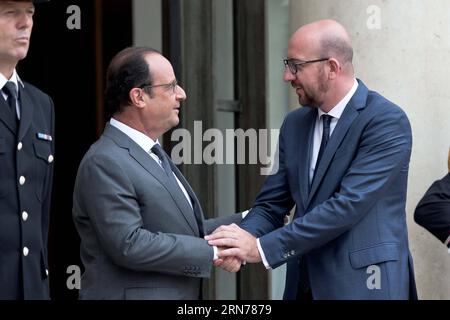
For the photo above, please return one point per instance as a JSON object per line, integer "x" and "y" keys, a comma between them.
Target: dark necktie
{"x": 165, "y": 163}
{"x": 156, "y": 149}
{"x": 10, "y": 90}
{"x": 325, "y": 137}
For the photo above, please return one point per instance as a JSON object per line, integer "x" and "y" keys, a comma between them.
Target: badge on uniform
{"x": 46, "y": 137}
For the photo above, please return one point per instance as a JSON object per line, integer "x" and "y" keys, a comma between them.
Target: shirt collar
{"x": 141, "y": 139}
{"x": 14, "y": 78}
{"x": 337, "y": 111}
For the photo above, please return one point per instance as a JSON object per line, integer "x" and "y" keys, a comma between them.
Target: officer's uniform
{"x": 26, "y": 173}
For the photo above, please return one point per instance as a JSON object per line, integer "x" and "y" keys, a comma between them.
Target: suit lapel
{"x": 305, "y": 150}
{"x": 145, "y": 160}
{"x": 154, "y": 169}
{"x": 348, "y": 116}
{"x": 195, "y": 203}
{"x": 26, "y": 112}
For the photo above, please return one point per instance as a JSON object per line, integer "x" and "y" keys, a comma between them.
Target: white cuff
{"x": 215, "y": 253}
{"x": 263, "y": 256}
{"x": 244, "y": 214}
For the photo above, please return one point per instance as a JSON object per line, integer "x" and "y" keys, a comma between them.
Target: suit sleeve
{"x": 383, "y": 152}
{"x": 107, "y": 197}
{"x": 212, "y": 224}
{"x": 433, "y": 210}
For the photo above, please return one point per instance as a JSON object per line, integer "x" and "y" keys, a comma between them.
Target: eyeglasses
{"x": 293, "y": 64}
{"x": 173, "y": 85}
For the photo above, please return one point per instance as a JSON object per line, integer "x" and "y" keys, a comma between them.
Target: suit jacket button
{"x": 46, "y": 272}
{"x": 50, "y": 158}
{"x": 25, "y": 251}
{"x": 19, "y": 146}
{"x": 22, "y": 180}
{"x": 24, "y": 216}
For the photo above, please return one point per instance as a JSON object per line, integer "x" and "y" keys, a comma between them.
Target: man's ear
{"x": 334, "y": 67}
{"x": 137, "y": 97}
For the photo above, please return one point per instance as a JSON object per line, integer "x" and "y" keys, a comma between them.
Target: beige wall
{"x": 402, "y": 50}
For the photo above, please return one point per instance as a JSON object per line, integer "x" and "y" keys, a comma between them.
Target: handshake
{"x": 235, "y": 247}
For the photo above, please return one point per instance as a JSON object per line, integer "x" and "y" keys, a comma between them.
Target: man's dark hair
{"x": 127, "y": 70}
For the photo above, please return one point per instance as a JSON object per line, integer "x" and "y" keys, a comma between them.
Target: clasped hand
{"x": 236, "y": 247}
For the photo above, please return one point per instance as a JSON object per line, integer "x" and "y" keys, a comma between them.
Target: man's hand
{"x": 230, "y": 264}
{"x": 240, "y": 243}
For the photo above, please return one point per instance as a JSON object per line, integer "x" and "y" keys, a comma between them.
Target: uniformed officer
{"x": 26, "y": 163}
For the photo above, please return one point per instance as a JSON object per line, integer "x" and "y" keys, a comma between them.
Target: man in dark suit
{"x": 433, "y": 210}
{"x": 343, "y": 164}
{"x": 26, "y": 163}
{"x": 140, "y": 223}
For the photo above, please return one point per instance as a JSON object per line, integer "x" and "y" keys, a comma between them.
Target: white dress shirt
{"x": 336, "y": 112}
{"x": 15, "y": 78}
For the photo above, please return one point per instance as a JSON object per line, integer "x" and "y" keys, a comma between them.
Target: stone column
{"x": 147, "y": 24}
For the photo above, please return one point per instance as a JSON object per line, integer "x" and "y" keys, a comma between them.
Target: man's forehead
{"x": 159, "y": 65}
{"x": 296, "y": 52}
{"x": 8, "y": 3}
{"x": 155, "y": 58}
{"x": 303, "y": 47}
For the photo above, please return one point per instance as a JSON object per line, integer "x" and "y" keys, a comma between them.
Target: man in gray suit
{"x": 141, "y": 225}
